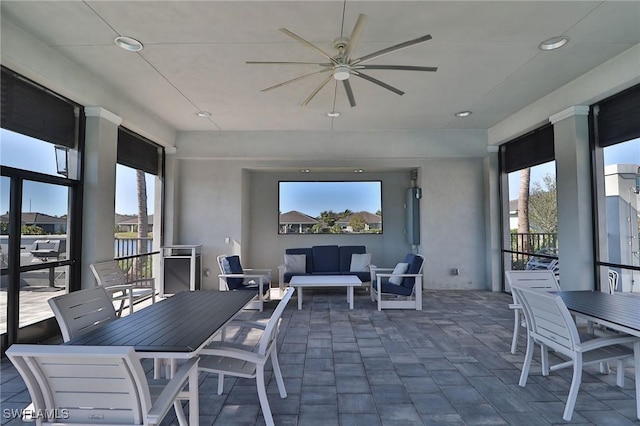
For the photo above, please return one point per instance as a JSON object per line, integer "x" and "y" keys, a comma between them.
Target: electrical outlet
{"x": 455, "y": 271}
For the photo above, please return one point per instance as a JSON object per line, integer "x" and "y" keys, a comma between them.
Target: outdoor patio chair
{"x": 613, "y": 281}
{"x": 550, "y": 324}
{"x": 542, "y": 280}
{"x": 82, "y": 311}
{"x": 98, "y": 385}
{"x": 399, "y": 287}
{"x": 113, "y": 279}
{"x": 234, "y": 277}
{"x": 248, "y": 361}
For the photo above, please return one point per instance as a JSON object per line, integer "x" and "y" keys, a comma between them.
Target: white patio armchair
{"x": 540, "y": 280}
{"x": 550, "y": 324}
{"x": 82, "y": 311}
{"x": 113, "y": 279}
{"x": 248, "y": 361}
{"x": 233, "y": 276}
{"x": 399, "y": 287}
{"x": 99, "y": 385}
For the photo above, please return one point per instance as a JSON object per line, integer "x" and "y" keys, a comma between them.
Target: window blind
{"x": 536, "y": 147}
{"x": 29, "y": 109}
{"x": 618, "y": 118}
{"x": 138, "y": 152}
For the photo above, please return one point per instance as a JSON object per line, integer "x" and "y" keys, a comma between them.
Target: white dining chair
{"x": 248, "y": 361}
{"x": 540, "y": 280}
{"x": 99, "y": 385}
{"x": 550, "y": 324}
{"x": 122, "y": 289}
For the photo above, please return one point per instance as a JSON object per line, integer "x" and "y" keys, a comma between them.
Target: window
{"x": 39, "y": 207}
{"x": 349, "y": 207}
{"x": 530, "y": 239}
{"x": 616, "y": 129}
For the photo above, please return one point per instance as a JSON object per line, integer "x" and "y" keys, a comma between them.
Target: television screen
{"x": 348, "y": 207}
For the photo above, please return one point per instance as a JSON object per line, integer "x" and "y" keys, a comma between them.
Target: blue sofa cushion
{"x": 289, "y": 275}
{"x": 308, "y": 253}
{"x": 345, "y": 256}
{"x": 415, "y": 263}
{"x": 364, "y": 276}
{"x": 326, "y": 259}
{"x": 387, "y": 287}
{"x": 235, "y": 267}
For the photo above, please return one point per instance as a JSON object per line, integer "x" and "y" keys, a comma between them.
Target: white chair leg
{"x": 527, "y": 362}
{"x": 620, "y": 373}
{"x": 278, "y": 373}
{"x": 573, "y": 391}
{"x": 262, "y": 396}
{"x": 516, "y": 331}
{"x": 220, "y": 383}
{"x": 544, "y": 359}
{"x": 604, "y": 368}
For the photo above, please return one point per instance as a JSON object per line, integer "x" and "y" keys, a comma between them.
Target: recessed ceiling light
{"x": 553, "y": 43}
{"x": 203, "y": 114}
{"x": 463, "y": 114}
{"x": 304, "y": 170}
{"x": 334, "y": 114}
{"x": 128, "y": 43}
{"x": 358, "y": 171}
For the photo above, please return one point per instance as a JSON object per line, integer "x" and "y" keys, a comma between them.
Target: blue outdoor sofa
{"x": 325, "y": 260}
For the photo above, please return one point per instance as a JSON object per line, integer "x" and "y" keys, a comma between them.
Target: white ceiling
{"x": 195, "y": 52}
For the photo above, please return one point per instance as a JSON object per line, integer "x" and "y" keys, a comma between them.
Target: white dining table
{"x": 618, "y": 311}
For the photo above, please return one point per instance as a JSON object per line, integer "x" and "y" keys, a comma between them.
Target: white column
{"x": 573, "y": 177}
{"x": 100, "y": 157}
{"x": 492, "y": 213}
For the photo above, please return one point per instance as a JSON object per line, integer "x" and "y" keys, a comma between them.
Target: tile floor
{"x": 447, "y": 365}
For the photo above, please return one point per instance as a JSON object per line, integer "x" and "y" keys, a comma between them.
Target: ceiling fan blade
{"x": 391, "y": 49}
{"x": 379, "y": 83}
{"x": 288, "y": 63}
{"x": 308, "y": 44}
{"x": 397, "y": 67}
{"x": 347, "y": 88}
{"x": 355, "y": 35}
{"x": 284, "y": 83}
{"x": 317, "y": 89}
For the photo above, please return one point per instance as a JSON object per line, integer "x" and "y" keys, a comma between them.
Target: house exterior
{"x": 51, "y": 225}
{"x": 372, "y": 222}
{"x": 129, "y": 223}
{"x": 295, "y": 222}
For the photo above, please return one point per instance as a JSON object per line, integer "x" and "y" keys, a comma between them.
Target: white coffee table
{"x": 302, "y": 281}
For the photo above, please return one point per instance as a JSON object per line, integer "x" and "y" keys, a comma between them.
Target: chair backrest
{"x": 416, "y": 263}
{"x": 270, "y": 333}
{"x": 613, "y": 281}
{"x": 84, "y": 384}
{"x": 548, "y": 320}
{"x": 231, "y": 265}
{"x": 81, "y": 311}
{"x": 541, "y": 280}
{"x": 108, "y": 273}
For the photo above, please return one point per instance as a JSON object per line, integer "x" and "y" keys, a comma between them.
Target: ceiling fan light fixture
{"x": 341, "y": 72}
{"x": 334, "y": 114}
{"x": 553, "y": 43}
{"x": 463, "y": 114}
{"x": 128, "y": 43}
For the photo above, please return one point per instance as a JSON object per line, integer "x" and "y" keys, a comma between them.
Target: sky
{"x": 312, "y": 198}
{"x": 26, "y": 153}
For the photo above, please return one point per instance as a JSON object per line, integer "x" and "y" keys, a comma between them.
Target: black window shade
{"x": 138, "y": 152}
{"x": 33, "y": 111}
{"x": 618, "y": 117}
{"x": 529, "y": 150}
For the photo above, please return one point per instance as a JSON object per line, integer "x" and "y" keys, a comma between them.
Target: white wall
{"x": 223, "y": 176}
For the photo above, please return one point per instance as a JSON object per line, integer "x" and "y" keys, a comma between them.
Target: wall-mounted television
{"x": 330, "y": 207}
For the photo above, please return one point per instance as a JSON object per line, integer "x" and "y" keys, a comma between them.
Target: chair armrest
{"x": 257, "y": 271}
{"x": 171, "y": 391}
{"x": 143, "y": 280}
{"x": 398, "y": 275}
{"x": 605, "y": 341}
{"x": 247, "y": 324}
{"x": 218, "y": 349}
{"x": 515, "y": 306}
{"x": 259, "y": 276}
{"x": 118, "y": 287}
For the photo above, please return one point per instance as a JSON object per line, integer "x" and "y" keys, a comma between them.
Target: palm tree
{"x": 143, "y": 223}
{"x": 523, "y": 210}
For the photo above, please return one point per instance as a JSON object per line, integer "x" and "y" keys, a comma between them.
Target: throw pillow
{"x": 401, "y": 268}
{"x": 295, "y": 263}
{"x": 360, "y": 262}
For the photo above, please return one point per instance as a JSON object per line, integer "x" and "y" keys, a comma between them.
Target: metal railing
{"x": 132, "y": 246}
{"x": 533, "y": 248}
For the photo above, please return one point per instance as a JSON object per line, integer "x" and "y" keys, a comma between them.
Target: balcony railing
{"x": 533, "y": 250}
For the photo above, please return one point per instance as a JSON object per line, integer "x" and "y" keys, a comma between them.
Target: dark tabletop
{"x": 180, "y": 323}
{"x": 620, "y": 309}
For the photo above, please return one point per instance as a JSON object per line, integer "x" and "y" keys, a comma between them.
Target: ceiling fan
{"x": 342, "y": 66}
